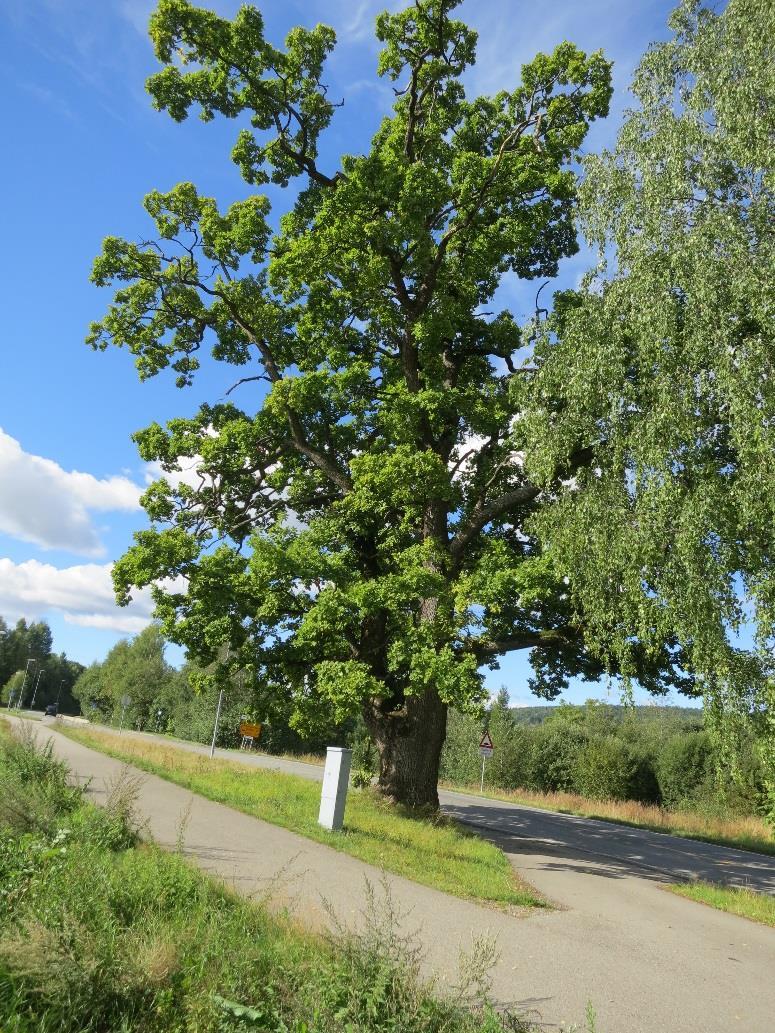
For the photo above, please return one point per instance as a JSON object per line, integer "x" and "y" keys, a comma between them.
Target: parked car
{"x": 51, "y": 710}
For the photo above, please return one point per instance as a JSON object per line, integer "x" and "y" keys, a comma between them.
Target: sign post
{"x": 250, "y": 733}
{"x": 486, "y": 749}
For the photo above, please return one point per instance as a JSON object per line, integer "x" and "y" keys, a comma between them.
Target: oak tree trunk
{"x": 409, "y": 742}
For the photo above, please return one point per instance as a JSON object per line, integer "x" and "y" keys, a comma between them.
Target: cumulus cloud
{"x": 82, "y": 594}
{"x": 119, "y": 622}
{"x": 188, "y": 474}
{"x": 42, "y": 503}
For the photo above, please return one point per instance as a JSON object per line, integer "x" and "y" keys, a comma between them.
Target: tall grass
{"x": 758, "y": 907}
{"x": 429, "y": 849}
{"x": 746, "y": 832}
{"x": 100, "y": 934}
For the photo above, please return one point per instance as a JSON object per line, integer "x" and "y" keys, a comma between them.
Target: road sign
{"x": 125, "y": 701}
{"x": 486, "y": 748}
{"x": 248, "y": 730}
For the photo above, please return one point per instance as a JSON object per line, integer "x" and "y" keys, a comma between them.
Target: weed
{"x": 128, "y": 938}
{"x": 183, "y": 822}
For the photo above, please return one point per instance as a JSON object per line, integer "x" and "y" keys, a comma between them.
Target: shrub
{"x": 460, "y": 760}
{"x": 554, "y": 755}
{"x": 605, "y": 769}
{"x": 684, "y": 765}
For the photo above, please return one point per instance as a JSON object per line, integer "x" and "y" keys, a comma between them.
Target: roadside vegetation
{"x": 648, "y": 767}
{"x": 652, "y": 767}
{"x": 758, "y": 907}
{"x": 99, "y": 932}
{"x": 429, "y": 849}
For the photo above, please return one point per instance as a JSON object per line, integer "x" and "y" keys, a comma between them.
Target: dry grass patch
{"x": 432, "y": 850}
{"x": 745, "y": 832}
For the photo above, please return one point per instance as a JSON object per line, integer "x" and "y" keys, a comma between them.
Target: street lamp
{"x": 60, "y": 691}
{"x": 20, "y": 697}
{"x": 35, "y": 691}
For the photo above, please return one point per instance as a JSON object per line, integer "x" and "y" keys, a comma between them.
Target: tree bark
{"x": 409, "y": 742}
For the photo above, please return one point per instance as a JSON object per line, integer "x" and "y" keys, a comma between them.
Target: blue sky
{"x": 83, "y": 146}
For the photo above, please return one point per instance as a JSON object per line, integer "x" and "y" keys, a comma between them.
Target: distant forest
{"x": 30, "y": 670}
{"x": 691, "y": 715}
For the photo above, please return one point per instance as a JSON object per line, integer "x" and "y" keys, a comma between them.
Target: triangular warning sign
{"x": 486, "y": 743}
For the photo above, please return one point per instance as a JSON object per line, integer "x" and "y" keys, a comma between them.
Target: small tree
{"x": 135, "y": 669}
{"x": 509, "y": 765}
{"x": 92, "y": 691}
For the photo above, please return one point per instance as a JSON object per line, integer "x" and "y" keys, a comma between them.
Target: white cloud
{"x": 120, "y": 622}
{"x": 42, "y": 503}
{"x": 82, "y": 594}
{"x": 464, "y": 456}
{"x": 188, "y": 474}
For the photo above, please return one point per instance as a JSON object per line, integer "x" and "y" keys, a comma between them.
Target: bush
{"x": 510, "y": 765}
{"x": 644, "y": 785}
{"x": 684, "y": 766}
{"x": 460, "y": 760}
{"x": 606, "y": 769}
{"x": 554, "y": 756}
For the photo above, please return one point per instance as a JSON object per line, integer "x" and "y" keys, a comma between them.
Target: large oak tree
{"x": 362, "y": 535}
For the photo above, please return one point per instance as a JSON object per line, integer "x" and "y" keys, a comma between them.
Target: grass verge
{"x": 758, "y": 907}
{"x": 745, "y": 833}
{"x": 434, "y": 850}
{"x": 98, "y": 932}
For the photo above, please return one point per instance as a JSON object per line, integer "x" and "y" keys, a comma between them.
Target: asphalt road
{"x": 647, "y": 960}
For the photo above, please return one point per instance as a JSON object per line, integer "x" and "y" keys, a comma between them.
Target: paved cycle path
{"x": 649, "y": 962}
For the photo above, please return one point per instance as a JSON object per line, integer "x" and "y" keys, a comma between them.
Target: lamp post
{"x": 60, "y": 691}
{"x": 218, "y": 708}
{"x": 35, "y": 690}
{"x": 20, "y": 697}
{"x": 217, "y": 719}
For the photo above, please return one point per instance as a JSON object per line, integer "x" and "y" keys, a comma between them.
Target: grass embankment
{"x": 99, "y": 933}
{"x": 746, "y": 832}
{"x": 759, "y": 907}
{"x": 434, "y": 851}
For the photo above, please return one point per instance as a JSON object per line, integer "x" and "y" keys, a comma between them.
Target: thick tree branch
{"x": 553, "y": 637}
{"x": 483, "y": 514}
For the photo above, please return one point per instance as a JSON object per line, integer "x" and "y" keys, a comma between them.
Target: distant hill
{"x": 689, "y": 715}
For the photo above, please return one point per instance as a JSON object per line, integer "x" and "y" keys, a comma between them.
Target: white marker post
{"x": 335, "y": 781}
{"x": 486, "y": 749}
